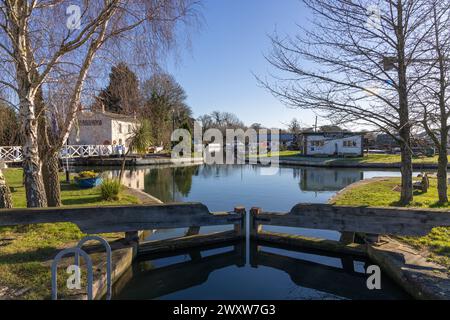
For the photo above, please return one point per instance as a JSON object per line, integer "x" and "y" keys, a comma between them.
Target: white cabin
{"x": 339, "y": 144}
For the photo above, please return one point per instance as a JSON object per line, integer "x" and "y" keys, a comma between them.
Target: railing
{"x": 85, "y": 151}
{"x": 124, "y": 218}
{"x": 14, "y": 153}
{"x": 368, "y": 222}
{"x": 396, "y": 221}
{"x": 11, "y": 154}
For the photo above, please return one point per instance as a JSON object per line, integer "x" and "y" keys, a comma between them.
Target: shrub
{"x": 87, "y": 175}
{"x": 111, "y": 189}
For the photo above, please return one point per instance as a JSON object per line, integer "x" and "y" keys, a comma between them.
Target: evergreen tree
{"x": 9, "y": 128}
{"x": 122, "y": 94}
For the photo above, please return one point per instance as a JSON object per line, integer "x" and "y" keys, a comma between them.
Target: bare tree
{"x": 356, "y": 65}
{"x": 39, "y": 54}
{"x": 432, "y": 97}
{"x": 295, "y": 128}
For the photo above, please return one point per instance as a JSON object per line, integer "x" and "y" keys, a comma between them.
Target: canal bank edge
{"x": 331, "y": 163}
{"x": 422, "y": 279}
{"x": 117, "y": 162}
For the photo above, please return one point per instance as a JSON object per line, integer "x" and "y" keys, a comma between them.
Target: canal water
{"x": 242, "y": 270}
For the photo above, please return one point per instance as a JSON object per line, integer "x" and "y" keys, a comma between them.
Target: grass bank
{"x": 25, "y": 251}
{"x": 378, "y": 193}
{"x": 367, "y": 159}
{"x": 389, "y": 158}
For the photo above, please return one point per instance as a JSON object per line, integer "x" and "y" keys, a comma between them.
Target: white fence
{"x": 14, "y": 153}
{"x": 11, "y": 154}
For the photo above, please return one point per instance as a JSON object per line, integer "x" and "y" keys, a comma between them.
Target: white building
{"x": 102, "y": 128}
{"x": 333, "y": 144}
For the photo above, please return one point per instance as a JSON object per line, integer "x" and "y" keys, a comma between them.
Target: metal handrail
{"x": 108, "y": 260}
{"x": 55, "y": 262}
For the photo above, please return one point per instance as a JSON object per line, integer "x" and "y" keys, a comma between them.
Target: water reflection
{"x": 222, "y": 187}
{"x": 228, "y": 272}
{"x": 320, "y": 179}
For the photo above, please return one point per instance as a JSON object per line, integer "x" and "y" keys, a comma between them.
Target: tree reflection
{"x": 170, "y": 184}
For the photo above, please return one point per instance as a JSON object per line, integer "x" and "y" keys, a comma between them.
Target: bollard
{"x": 347, "y": 237}
{"x": 239, "y": 227}
{"x": 132, "y": 236}
{"x": 255, "y": 227}
{"x": 192, "y": 231}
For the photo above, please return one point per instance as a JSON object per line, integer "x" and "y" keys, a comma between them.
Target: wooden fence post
{"x": 132, "y": 236}
{"x": 347, "y": 237}
{"x": 192, "y": 231}
{"x": 372, "y": 238}
{"x": 255, "y": 227}
{"x": 240, "y": 227}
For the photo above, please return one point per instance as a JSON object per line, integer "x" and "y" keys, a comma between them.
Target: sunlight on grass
{"x": 379, "y": 194}
{"x": 25, "y": 251}
{"x": 367, "y": 159}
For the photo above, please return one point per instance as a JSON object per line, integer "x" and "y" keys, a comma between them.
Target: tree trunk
{"x": 5, "y": 193}
{"x": 50, "y": 171}
{"x": 403, "y": 104}
{"x": 442, "y": 171}
{"x": 34, "y": 186}
{"x": 407, "y": 172}
{"x": 49, "y": 157}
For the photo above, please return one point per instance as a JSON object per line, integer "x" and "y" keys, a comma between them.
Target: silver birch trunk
{"x": 5, "y": 193}
{"x": 32, "y": 167}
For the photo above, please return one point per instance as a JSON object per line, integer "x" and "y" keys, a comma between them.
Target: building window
{"x": 129, "y": 128}
{"x": 120, "y": 128}
{"x": 318, "y": 143}
{"x": 349, "y": 143}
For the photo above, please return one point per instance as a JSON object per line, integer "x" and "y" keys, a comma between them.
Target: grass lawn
{"x": 367, "y": 159}
{"x": 25, "y": 251}
{"x": 379, "y": 194}
{"x": 281, "y": 154}
{"x": 391, "y": 158}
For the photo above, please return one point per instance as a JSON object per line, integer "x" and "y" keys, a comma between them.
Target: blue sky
{"x": 217, "y": 72}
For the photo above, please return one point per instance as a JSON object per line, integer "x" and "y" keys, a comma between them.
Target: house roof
{"x": 347, "y": 133}
{"x": 111, "y": 115}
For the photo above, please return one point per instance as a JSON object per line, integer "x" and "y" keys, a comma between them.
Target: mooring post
{"x": 192, "y": 231}
{"x": 255, "y": 227}
{"x": 132, "y": 236}
{"x": 372, "y": 238}
{"x": 239, "y": 227}
{"x": 347, "y": 237}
